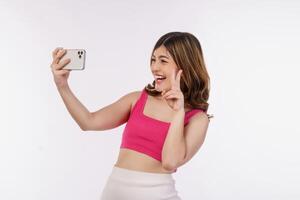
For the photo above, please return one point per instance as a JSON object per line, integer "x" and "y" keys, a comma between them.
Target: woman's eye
{"x": 161, "y": 60}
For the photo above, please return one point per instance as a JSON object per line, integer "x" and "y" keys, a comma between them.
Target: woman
{"x": 166, "y": 122}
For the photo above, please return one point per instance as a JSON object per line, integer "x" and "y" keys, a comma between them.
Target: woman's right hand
{"x": 60, "y": 75}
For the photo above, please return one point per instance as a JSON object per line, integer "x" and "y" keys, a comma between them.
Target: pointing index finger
{"x": 173, "y": 78}
{"x": 178, "y": 77}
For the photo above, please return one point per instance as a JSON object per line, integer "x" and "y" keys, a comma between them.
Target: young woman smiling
{"x": 166, "y": 122}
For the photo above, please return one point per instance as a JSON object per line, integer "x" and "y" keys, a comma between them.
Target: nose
{"x": 155, "y": 67}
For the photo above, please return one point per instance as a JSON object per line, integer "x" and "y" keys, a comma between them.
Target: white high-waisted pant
{"x": 125, "y": 184}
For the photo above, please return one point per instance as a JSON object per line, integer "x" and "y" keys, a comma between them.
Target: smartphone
{"x": 77, "y": 57}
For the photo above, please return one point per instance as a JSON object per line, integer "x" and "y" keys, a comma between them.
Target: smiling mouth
{"x": 160, "y": 78}
{"x": 159, "y": 81}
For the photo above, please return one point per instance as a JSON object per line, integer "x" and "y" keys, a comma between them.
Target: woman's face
{"x": 162, "y": 64}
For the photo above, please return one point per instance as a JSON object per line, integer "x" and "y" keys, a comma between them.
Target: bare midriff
{"x": 133, "y": 160}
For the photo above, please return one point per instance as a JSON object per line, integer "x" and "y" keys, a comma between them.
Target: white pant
{"x": 125, "y": 184}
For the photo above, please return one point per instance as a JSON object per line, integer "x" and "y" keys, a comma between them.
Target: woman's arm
{"x": 77, "y": 110}
{"x": 108, "y": 117}
{"x": 113, "y": 115}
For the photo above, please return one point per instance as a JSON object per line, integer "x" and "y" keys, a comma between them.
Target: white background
{"x": 251, "y": 49}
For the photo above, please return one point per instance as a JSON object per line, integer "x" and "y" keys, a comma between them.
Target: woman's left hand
{"x": 174, "y": 96}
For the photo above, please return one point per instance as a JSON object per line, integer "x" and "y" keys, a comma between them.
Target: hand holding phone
{"x": 60, "y": 75}
{"x": 77, "y": 57}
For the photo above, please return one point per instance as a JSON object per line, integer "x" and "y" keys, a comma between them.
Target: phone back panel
{"x": 77, "y": 57}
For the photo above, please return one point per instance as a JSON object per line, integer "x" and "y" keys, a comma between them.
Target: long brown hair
{"x": 186, "y": 51}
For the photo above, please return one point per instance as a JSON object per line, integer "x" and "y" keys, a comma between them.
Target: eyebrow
{"x": 161, "y": 56}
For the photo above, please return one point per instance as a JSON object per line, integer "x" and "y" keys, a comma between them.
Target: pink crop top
{"x": 146, "y": 134}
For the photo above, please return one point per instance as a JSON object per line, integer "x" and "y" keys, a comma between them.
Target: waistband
{"x": 133, "y": 176}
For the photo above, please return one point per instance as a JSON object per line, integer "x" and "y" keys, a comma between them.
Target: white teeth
{"x": 159, "y": 77}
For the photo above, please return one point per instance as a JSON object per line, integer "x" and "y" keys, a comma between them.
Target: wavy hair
{"x": 186, "y": 51}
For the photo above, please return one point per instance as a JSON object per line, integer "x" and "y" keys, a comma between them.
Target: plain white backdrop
{"x": 251, "y": 49}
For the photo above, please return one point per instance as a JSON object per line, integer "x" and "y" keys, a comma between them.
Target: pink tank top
{"x": 146, "y": 134}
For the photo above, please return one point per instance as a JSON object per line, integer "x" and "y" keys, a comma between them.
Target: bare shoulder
{"x": 131, "y": 98}
{"x": 201, "y": 117}
{"x": 134, "y": 96}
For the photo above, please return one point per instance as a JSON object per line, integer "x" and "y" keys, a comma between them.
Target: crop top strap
{"x": 140, "y": 103}
{"x": 190, "y": 114}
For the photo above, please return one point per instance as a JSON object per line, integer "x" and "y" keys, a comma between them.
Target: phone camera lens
{"x": 80, "y": 53}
